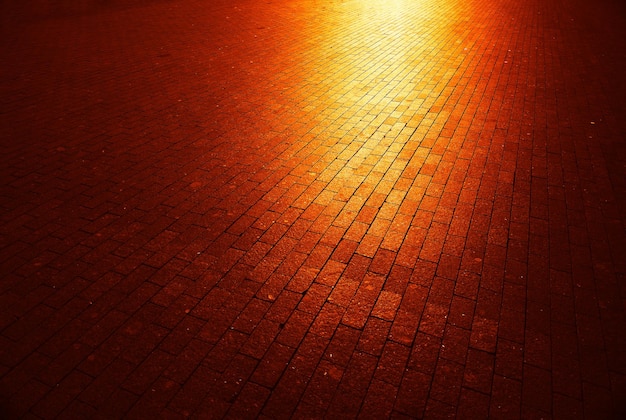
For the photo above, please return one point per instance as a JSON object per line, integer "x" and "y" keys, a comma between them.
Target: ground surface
{"x": 305, "y": 207}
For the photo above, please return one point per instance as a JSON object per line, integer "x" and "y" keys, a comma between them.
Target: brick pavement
{"x": 307, "y": 208}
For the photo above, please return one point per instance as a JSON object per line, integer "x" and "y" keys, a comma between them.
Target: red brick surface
{"x": 313, "y": 208}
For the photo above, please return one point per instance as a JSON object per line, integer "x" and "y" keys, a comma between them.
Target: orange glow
{"x": 312, "y": 209}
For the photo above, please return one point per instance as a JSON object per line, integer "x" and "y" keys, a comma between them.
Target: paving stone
{"x": 353, "y": 209}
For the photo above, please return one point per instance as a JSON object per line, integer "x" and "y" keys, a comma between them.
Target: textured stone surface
{"x": 314, "y": 208}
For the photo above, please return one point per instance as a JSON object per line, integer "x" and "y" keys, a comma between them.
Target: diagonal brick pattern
{"x": 311, "y": 208}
